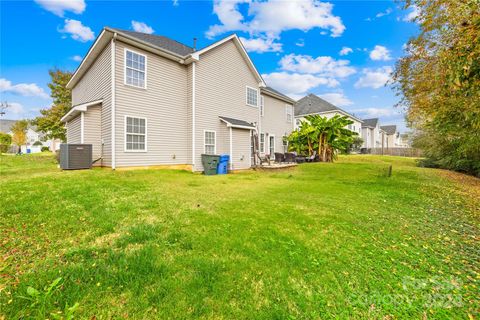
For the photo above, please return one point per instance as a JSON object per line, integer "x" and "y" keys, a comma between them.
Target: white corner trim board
{"x": 193, "y": 116}
{"x": 113, "y": 145}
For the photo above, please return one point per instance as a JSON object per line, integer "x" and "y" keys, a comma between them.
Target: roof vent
{"x": 194, "y": 44}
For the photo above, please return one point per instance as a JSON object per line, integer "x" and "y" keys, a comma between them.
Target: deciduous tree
{"x": 49, "y": 121}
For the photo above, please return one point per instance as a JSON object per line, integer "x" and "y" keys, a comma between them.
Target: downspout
{"x": 193, "y": 116}
{"x": 231, "y": 149}
{"x": 82, "y": 127}
{"x": 113, "y": 100}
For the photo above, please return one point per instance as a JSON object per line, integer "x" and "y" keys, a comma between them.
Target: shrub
{"x": 5, "y": 142}
{"x": 38, "y": 143}
{"x": 45, "y": 149}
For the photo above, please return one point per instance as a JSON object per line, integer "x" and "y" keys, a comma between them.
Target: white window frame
{"x": 262, "y": 150}
{"x": 125, "y": 69}
{"x": 288, "y": 111}
{"x": 246, "y": 97}
{"x": 126, "y": 133}
{"x": 262, "y": 106}
{"x": 272, "y": 154}
{"x": 214, "y": 144}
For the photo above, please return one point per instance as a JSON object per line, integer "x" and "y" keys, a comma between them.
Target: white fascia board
{"x": 93, "y": 52}
{"x": 79, "y": 108}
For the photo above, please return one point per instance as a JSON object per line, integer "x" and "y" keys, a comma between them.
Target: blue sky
{"x": 341, "y": 50}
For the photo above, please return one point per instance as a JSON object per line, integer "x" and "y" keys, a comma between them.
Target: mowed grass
{"x": 319, "y": 241}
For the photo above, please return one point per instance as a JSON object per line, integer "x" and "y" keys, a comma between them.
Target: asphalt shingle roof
{"x": 370, "y": 122}
{"x": 390, "y": 129}
{"x": 5, "y": 125}
{"x": 159, "y": 41}
{"x": 313, "y": 104}
{"x": 277, "y": 93}
{"x": 237, "y": 122}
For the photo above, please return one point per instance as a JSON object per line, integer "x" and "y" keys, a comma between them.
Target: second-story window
{"x": 252, "y": 97}
{"x": 135, "y": 69}
{"x": 289, "y": 113}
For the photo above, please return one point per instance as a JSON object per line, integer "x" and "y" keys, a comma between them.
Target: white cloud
{"x": 15, "y": 108}
{"x": 323, "y": 66}
{"x": 374, "y": 112}
{"x": 274, "y": 17}
{"x": 142, "y": 27}
{"x": 345, "y": 51}
{"x": 337, "y": 98}
{"x": 300, "y": 43}
{"x": 261, "y": 44}
{"x": 412, "y": 15}
{"x": 23, "y": 89}
{"x": 175, "y": 3}
{"x": 77, "y": 58}
{"x": 384, "y": 13}
{"x": 374, "y": 78}
{"x": 380, "y": 53}
{"x": 295, "y": 84}
{"x": 59, "y": 7}
{"x": 77, "y": 30}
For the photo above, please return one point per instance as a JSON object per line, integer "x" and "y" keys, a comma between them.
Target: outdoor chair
{"x": 290, "y": 157}
{"x": 279, "y": 157}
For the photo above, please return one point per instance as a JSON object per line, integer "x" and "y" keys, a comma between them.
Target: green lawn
{"x": 321, "y": 240}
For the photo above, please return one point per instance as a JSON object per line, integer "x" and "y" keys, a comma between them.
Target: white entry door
{"x": 271, "y": 146}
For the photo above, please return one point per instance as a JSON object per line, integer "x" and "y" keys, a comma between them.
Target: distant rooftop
{"x": 390, "y": 129}
{"x": 311, "y": 104}
{"x": 370, "y": 122}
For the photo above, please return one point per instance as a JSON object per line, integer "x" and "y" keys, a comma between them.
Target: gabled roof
{"x": 235, "y": 123}
{"x": 6, "y": 125}
{"x": 159, "y": 41}
{"x": 312, "y": 104}
{"x": 390, "y": 129}
{"x": 159, "y": 45}
{"x": 372, "y": 123}
{"x": 277, "y": 94}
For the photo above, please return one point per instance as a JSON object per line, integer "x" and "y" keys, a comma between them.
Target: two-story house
{"x": 392, "y": 136}
{"x": 147, "y": 100}
{"x": 312, "y": 104}
{"x": 372, "y": 134}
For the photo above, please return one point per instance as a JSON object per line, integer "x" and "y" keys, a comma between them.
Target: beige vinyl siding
{"x": 275, "y": 122}
{"x": 163, "y": 103}
{"x": 222, "y": 75}
{"x": 96, "y": 85}
{"x": 74, "y": 130}
{"x": 93, "y": 131}
{"x": 241, "y": 156}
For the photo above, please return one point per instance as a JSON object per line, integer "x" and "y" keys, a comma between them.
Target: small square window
{"x": 252, "y": 97}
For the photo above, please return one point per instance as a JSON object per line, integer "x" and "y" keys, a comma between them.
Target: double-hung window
{"x": 135, "y": 69}
{"x": 289, "y": 113}
{"x": 135, "y": 134}
{"x": 209, "y": 140}
{"x": 262, "y": 107}
{"x": 252, "y": 97}
{"x": 262, "y": 142}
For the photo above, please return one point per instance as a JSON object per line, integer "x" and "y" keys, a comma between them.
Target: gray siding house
{"x": 145, "y": 100}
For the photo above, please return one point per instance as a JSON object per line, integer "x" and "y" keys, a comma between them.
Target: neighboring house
{"x": 147, "y": 100}
{"x": 33, "y": 136}
{"x": 392, "y": 139}
{"x": 373, "y": 136}
{"x": 312, "y": 104}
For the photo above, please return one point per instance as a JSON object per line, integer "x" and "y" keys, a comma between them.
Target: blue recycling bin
{"x": 223, "y": 164}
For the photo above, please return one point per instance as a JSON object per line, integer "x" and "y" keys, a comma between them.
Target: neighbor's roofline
{"x": 322, "y": 112}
